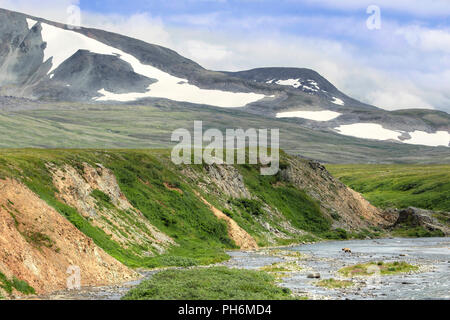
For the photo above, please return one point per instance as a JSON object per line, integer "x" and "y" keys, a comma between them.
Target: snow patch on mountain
{"x": 313, "y": 83}
{"x": 376, "y": 131}
{"x": 309, "y": 85}
{"x": 310, "y": 115}
{"x": 62, "y": 44}
{"x": 338, "y": 101}
{"x": 187, "y": 93}
{"x": 31, "y": 23}
{"x": 313, "y": 86}
{"x": 290, "y": 82}
{"x": 439, "y": 138}
{"x": 368, "y": 131}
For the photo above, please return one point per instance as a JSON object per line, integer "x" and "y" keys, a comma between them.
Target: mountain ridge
{"x": 96, "y": 66}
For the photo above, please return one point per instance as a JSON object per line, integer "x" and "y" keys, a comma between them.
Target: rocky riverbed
{"x": 430, "y": 281}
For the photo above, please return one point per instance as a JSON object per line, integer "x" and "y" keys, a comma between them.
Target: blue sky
{"x": 225, "y": 10}
{"x": 404, "y": 64}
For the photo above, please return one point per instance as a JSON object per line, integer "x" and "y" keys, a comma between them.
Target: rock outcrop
{"x": 114, "y": 214}
{"x": 430, "y": 220}
{"x": 346, "y": 207}
{"x": 219, "y": 180}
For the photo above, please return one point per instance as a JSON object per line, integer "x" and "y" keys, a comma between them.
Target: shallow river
{"x": 431, "y": 254}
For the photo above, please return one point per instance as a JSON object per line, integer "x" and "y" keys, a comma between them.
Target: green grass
{"x": 251, "y": 206}
{"x": 217, "y": 283}
{"x": 400, "y": 186}
{"x": 416, "y": 232}
{"x": 102, "y": 199}
{"x": 334, "y": 284}
{"x": 286, "y": 254}
{"x": 301, "y": 210}
{"x": 443, "y": 218}
{"x": 39, "y": 239}
{"x": 141, "y": 177}
{"x": 282, "y": 267}
{"x": 381, "y": 268}
{"x": 8, "y": 285}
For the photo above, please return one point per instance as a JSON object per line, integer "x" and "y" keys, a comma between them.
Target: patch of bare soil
{"x": 38, "y": 245}
{"x": 241, "y": 237}
{"x": 172, "y": 188}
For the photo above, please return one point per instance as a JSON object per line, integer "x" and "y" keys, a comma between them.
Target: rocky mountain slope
{"x": 301, "y": 80}
{"x": 108, "y": 211}
{"x": 48, "y": 61}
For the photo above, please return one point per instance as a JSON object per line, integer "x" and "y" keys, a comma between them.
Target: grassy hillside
{"x": 421, "y": 186}
{"x": 171, "y": 203}
{"x": 287, "y": 199}
{"x": 201, "y": 236}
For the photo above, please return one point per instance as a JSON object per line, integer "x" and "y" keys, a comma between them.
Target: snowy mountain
{"x": 47, "y": 61}
{"x": 302, "y": 80}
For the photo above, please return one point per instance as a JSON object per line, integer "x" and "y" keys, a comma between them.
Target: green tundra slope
{"x": 400, "y": 186}
{"x": 27, "y": 124}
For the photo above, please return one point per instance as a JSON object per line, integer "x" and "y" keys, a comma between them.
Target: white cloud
{"x": 426, "y": 39}
{"x": 207, "y": 53}
{"x": 205, "y": 20}
{"x": 50, "y": 9}
{"x": 416, "y": 7}
{"x": 141, "y": 26}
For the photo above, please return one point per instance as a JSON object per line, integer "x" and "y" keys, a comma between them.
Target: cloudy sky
{"x": 405, "y": 63}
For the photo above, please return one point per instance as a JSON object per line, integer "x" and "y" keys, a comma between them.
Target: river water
{"x": 326, "y": 258}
